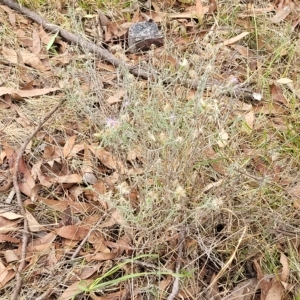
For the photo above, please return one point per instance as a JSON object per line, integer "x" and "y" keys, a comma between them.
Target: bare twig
{"x": 175, "y": 287}
{"x": 15, "y": 173}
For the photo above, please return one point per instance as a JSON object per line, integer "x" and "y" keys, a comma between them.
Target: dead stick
{"x": 15, "y": 173}
{"x": 238, "y": 90}
{"x": 75, "y": 39}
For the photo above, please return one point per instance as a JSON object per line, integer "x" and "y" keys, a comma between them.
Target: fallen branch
{"x": 75, "y": 39}
{"x": 237, "y": 91}
{"x": 15, "y": 173}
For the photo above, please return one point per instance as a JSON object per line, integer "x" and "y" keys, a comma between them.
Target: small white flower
{"x": 217, "y": 202}
{"x": 180, "y": 191}
{"x": 184, "y": 63}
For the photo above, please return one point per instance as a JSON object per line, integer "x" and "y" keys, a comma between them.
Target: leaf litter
{"x": 124, "y": 152}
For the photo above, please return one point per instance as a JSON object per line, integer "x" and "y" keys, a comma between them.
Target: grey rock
{"x": 142, "y": 35}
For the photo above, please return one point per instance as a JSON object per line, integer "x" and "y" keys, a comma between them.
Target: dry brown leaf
{"x": 11, "y": 215}
{"x": 11, "y": 256}
{"x": 69, "y": 145}
{"x": 87, "y": 272}
{"x": 52, "y": 259}
{"x": 135, "y": 171}
{"x": 87, "y": 166}
{"x": 97, "y": 240}
{"x": 277, "y": 95}
{"x": 276, "y": 291}
{"x": 7, "y": 238}
{"x": 75, "y": 149}
{"x": 281, "y": 14}
{"x": 105, "y": 157}
{"x": 44, "y": 36}
{"x": 74, "y": 289}
{"x": 116, "y": 218}
{"x": 114, "y": 246}
{"x": 163, "y": 286}
{"x": 33, "y": 224}
{"x": 72, "y": 232}
{"x": 124, "y": 244}
{"x": 264, "y": 283}
{"x": 45, "y": 241}
{"x": 117, "y": 97}
{"x": 7, "y": 225}
{"x": 51, "y": 151}
{"x": 248, "y": 54}
{"x": 78, "y": 207}
{"x": 199, "y": 9}
{"x": 99, "y": 188}
{"x": 26, "y": 93}
{"x": 285, "y": 267}
{"x": 244, "y": 51}
{"x": 81, "y": 207}
{"x": 6, "y": 274}
{"x": 101, "y": 256}
{"x": 61, "y": 60}
{"x": 234, "y": 39}
{"x": 23, "y": 120}
{"x": 71, "y": 178}
{"x": 76, "y": 191}
{"x": 28, "y": 58}
{"x": 36, "y": 172}
{"x": 27, "y": 183}
{"x": 36, "y": 42}
{"x": 69, "y": 244}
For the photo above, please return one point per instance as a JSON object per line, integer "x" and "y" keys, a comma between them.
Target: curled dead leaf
{"x": 72, "y": 232}
{"x": 26, "y": 93}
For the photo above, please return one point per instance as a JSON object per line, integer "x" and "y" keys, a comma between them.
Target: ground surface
{"x": 152, "y": 188}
